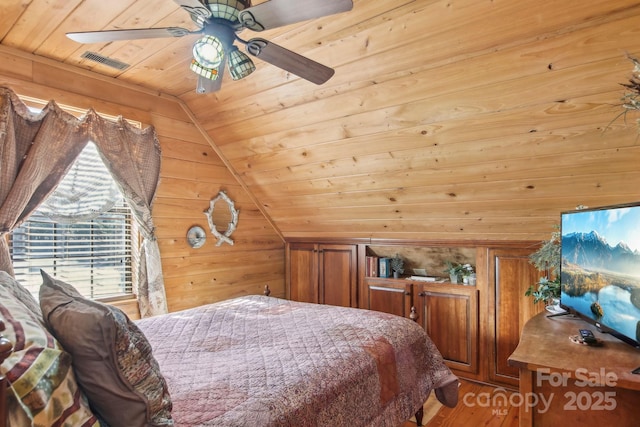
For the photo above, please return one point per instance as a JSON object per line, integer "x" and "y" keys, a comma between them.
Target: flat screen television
{"x": 600, "y": 268}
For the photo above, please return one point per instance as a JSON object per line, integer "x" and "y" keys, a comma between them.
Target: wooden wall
{"x": 446, "y": 120}
{"x": 462, "y": 119}
{"x": 192, "y": 174}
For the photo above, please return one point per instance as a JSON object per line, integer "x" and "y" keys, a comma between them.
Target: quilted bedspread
{"x": 263, "y": 361}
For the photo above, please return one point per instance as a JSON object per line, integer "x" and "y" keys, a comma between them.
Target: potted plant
{"x": 545, "y": 290}
{"x": 397, "y": 265}
{"x": 547, "y": 259}
{"x": 454, "y": 270}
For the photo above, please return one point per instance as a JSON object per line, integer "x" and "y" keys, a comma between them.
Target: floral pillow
{"x": 42, "y": 387}
{"x": 111, "y": 356}
{"x": 20, "y": 292}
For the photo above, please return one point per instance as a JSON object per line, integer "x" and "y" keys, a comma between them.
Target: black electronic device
{"x": 587, "y": 336}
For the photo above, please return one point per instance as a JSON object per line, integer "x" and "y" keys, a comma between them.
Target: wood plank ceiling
{"x": 446, "y": 119}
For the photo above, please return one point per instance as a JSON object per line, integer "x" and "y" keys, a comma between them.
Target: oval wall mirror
{"x": 222, "y": 217}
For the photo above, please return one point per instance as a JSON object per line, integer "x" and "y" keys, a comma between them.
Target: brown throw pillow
{"x": 111, "y": 357}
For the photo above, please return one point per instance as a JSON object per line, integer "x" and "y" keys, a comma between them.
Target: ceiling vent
{"x": 113, "y": 63}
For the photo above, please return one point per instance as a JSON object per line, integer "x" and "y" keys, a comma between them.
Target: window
{"x": 96, "y": 255}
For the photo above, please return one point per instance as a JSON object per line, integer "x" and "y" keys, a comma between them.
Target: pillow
{"x": 111, "y": 357}
{"x": 43, "y": 390}
{"x": 20, "y": 292}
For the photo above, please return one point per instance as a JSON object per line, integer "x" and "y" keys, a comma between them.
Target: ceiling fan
{"x": 219, "y": 21}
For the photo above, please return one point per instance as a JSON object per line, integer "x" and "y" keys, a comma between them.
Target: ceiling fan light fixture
{"x": 207, "y": 73}
{"x": 225, "y": 9}
{"x": 219, "y": 22}
{"x": 208, "y": 52}
{"x": 240, "y": 65}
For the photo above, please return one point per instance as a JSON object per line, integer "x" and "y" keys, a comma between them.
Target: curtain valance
{"x": 37, "y": 150}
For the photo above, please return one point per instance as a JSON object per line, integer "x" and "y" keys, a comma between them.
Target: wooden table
{"x": 563, "y": 383}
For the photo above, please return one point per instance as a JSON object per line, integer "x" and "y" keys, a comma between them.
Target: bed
{"x": 249, "y": 361}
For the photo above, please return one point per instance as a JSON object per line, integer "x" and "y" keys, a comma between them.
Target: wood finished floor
{"x": 472, "y": 414}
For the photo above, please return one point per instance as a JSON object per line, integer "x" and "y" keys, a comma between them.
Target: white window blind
{"x": 94, "y": 255}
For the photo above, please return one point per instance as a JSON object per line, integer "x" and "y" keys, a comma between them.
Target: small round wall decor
{"x": 196, "y": 236}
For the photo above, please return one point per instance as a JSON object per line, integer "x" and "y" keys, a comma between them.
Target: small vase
{"x": 396, "y": 275}
{"x": 453, "y": 278}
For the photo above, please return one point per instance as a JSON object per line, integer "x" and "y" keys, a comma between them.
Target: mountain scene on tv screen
{"x": 602, "y": 281}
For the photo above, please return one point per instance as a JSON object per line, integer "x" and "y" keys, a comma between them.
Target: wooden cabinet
{"x": 388, "y": 295}
{"x": 449, "y": 314}
{"x": 475, "y": 328}
{"x": 510, "y": 274}
{"x": 302, "y": 272}
{"x": 322, "y": 273}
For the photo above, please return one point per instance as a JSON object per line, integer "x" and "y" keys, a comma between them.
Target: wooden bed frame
{"x": 6, "y": 347}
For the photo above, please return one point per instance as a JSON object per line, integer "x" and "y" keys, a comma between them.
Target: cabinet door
{"x": 449, "y": 314}
{"x": 389, "y": 296}
{"x": 338, "y": 275}
{"x": 303, "y": 272}
{"x": 510, "y": 274}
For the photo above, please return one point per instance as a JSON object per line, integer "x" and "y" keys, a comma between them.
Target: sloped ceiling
{"x": 445, "y": 119}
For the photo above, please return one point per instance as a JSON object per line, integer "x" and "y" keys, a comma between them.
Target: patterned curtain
{"x": 37, "y": 150}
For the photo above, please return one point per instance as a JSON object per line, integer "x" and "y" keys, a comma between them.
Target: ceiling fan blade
{"x": 277, "y": 13}
{"x": 207, "y": 85}
{"x": 134, "y": 34}
{"x": 195, "y": 8}
{"x": 290, "y": 61}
